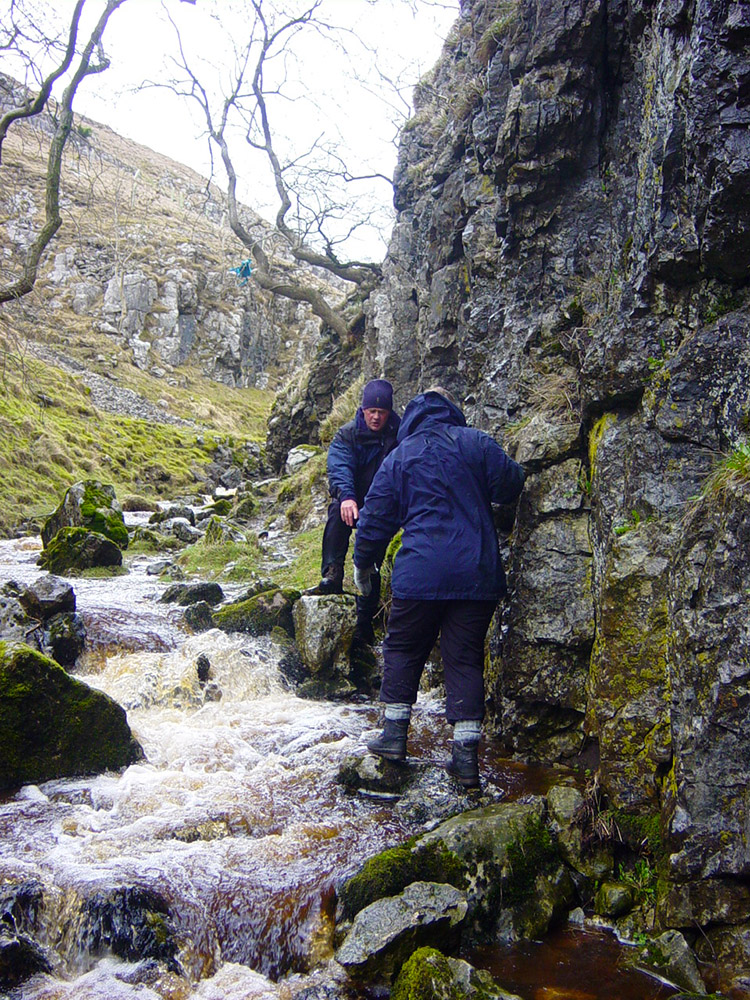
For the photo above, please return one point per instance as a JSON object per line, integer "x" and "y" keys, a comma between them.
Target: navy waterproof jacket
{"x": 439, "y": 485}
{"x": 355, "y": 454}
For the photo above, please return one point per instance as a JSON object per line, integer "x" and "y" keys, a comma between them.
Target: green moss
{"x": 47, "y": 719}
{"x": 259, "y": 615}
{"x": 597, "y": 433}
{"x": 70, "y": 551}
{"x": 532, "y": 854}
{"x": 98, "y": 515}
{"x": 426, "y": 975}
{"x": 389, "y": 872}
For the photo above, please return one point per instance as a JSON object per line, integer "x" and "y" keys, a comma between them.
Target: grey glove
{"x": 363, "y": 579}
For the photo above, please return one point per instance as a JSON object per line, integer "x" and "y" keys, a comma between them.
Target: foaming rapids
{"x": 227, "y": 840}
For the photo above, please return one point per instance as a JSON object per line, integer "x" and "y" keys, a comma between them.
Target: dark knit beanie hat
{"x": 378, "y": 394}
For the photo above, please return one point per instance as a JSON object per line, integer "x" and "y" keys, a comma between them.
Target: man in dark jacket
{"x": 354, "y": 457}
{"x": 439, "y": 485}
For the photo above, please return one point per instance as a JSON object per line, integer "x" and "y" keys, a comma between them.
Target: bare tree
{"x": 91, "y": 60}
{"x": 314, "y": 218}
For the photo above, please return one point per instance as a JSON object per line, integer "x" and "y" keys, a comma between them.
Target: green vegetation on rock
{"x": 389, "y": 872}
{"x": 532, "y": 854}
{"x": 53, "y": 725}
{"x": 259, "y": 615}
{"x": 426, "y": 975}
{"x": 76, "y": 549}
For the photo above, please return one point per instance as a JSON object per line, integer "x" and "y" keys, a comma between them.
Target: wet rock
{"x": 613, "y": 899}
{"x": 182, "y": 529}
{"x": 565, "y": 805}
{"x": 20, "y": 958}
{"x": 75, "y": 549}
{"x": 171, "y": 512}
{"x": 199, "y": 617}
{"x": 391, "y": 871}
{"x": 518, "y": 884}
{"x": 159, "y": 567}
{"x": 259, "y": 615}
{"x": 47, "y": 718}
{"x": 324, "y": 629}
{"x": 724, "y": 952}
{"x": 203, "y": 667}
{"x": 191, "y": 593}
{"x": 544, "y": 440}
{"x": 670, "y": 955}
{"x": 92, "y": 505}
{"x": 48, "y": 596}
{"x": 386, "y": 932}
{"x": 369, "y": 773}
{"x": 131, "y": 923}
{"x": 65, "y": 638}
{"x": 430, "y": 975}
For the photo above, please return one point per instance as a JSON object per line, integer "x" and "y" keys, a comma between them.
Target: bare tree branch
{"x": 31, "y": 108}
{"x": 53, "y": 220}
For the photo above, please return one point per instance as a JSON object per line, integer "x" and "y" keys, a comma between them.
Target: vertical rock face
{"x": 571, "y": 258}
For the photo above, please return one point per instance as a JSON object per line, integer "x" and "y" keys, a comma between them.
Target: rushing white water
{"x": 235, "y": 819}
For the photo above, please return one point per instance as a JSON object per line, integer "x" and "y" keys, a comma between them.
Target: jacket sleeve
{"x": 341, "y": 465}
{"x": 504, "y": 476}
{"x": 379, "y": 519}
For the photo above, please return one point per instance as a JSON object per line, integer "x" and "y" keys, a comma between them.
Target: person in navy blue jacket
{"x": 439, "y": 485}
{"x": 354, "y": 457}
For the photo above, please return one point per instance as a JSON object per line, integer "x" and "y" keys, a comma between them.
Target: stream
{"x": 235, "y": 821}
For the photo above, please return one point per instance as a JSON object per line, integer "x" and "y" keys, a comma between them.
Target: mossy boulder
{"x": 54, "y": 726}
{"x": 88, "y": 504}
{"x": 518, "y": 884}
{"x": 259, "y": 615}
{"x": 428, "y": 974}
{"x": 75, "y": 549}
{"x": 191, "y": 593}
{"x": 245, "y": 509}
{"x": 389, "y": 872}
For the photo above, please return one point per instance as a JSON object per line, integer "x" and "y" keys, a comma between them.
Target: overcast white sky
{"x": 328, "y": 97}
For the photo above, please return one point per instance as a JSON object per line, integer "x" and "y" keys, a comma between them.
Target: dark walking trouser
{"x": 336, "y": 535}
{"x": 413, "y": 628}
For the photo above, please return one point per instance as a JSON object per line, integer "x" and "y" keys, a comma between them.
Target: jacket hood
{"x": 429, "y": 407}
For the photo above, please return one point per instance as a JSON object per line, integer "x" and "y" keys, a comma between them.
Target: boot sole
{"x": 388, "y": 755}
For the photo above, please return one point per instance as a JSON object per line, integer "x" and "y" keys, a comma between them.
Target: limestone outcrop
{"x": 570, "y": 258}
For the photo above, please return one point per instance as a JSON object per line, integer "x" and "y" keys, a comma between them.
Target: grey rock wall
{"x": 571, "y": 257}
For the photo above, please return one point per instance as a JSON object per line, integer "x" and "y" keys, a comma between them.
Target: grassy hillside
{"x": 51, "y": 434}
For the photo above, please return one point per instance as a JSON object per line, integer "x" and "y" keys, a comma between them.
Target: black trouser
{"x": 336, "y": 535}
{"x": 413, "y": 628}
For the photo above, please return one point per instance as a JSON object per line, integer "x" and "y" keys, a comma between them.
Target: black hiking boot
{"x": 333, "y": 580}
{"x": 364, "y": 634}
{"x": 391, "y": 743}
{"x": 464, "y": 764}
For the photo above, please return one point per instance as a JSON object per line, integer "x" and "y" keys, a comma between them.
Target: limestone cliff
{"x": 144, "y": 256}
{"x": 571, "y": 258}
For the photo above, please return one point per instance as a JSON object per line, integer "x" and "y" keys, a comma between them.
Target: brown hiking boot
{"x": 332, "y": 581}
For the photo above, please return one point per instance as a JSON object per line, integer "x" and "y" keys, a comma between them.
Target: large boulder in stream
{"x": 430, "y": 975}
{"x": 88, "y": 504}
{"x": 517, "y": 882}
{"x": 43, "y": 615}
{"x": 386, "y": 932}
{"x": 324, "y": 629}
{"x": 54, "y": 726}
{"x": 259, "y": 615}
{"x": 73, "y": 550}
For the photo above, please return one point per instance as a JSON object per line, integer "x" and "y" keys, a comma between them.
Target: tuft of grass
{"x": 233, "y": 561}
{"x": 304, "y": 570}
{"x": 343, "y": 410}
{"x": 731, "y": 475}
